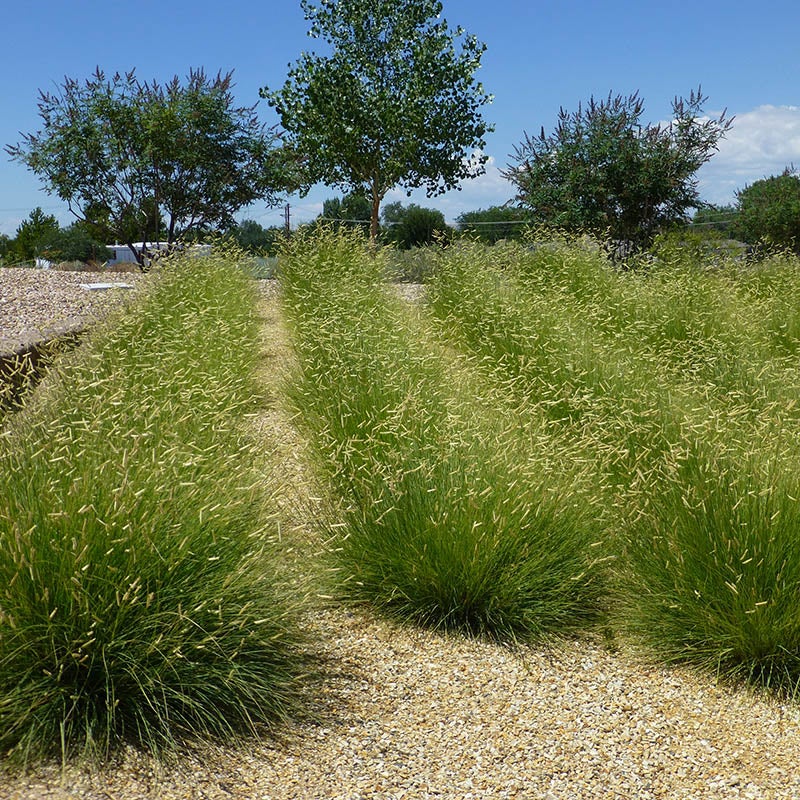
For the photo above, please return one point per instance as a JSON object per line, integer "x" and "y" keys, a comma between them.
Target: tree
{"x": 769, "y": 211}
{"x": 494, "y": 223}
{"x": 604, "y": 174}
{"x": 137, "y": 160}
{"x": 30, "y": 233}
{"x": 413, "y": 226}
{"x": 255, "y": 238}
{"x": 714, "y": 218}
{"x": 73, "y": 243}
{"x": 395, "y": 104}
{"x": 354, "y": 208}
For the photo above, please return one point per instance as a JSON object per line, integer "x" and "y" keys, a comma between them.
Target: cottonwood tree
{"x": 602, "y": 172}
{"x": 139, "y": 161}
{"x": 353, "y": 209}
{"x": 394, "y": 104}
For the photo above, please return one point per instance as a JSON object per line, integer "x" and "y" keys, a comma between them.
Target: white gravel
{"x": 410, "y": 714}
{"x": 36, "y": 304}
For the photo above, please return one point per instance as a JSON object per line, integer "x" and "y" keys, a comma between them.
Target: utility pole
{"x": 287, "y": 224}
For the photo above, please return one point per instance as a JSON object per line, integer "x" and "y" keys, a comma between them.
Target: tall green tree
{"x": 255, "y": 238}
{"x": 769, "y": 211}
{"x": 30, "y": 233}
{"x": 394, "y": 104}
{"x": 602, "y": 172}
{"x": 352, "y": 209}
{"x": 139, "y": 161}
{"x": 73, "y": 243}
{"x": 413, "y": 225}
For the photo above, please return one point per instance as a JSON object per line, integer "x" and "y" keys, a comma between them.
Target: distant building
{"x": 123, "y": 255}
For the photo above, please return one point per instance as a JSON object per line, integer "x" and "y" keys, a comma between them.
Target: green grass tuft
{"x": 446, "y": 518}
{"x": 140, "y": 601}
{"x": 681, "y": 384}
{"x": 712, "y": 566}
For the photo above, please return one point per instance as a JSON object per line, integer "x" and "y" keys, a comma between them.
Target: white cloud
{"x": 762, "y": 142}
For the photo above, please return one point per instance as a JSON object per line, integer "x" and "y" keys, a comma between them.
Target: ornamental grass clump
{"x": 139, "y": 600}
{"x": 682, "y": 389}
{"x": 629, "y": 358}
{"x": 445, "y": 515}
{"x": 545, "y": 349}
{"x": 711, "y": 568}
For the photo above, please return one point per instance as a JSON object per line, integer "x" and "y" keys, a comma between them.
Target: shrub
{"x": 769, "y": 211}
{"x": 139, "y": 600}
{"x": 494, "y": 224}
{"x": 681, "y": 388}
{"x": 414, "y": 226}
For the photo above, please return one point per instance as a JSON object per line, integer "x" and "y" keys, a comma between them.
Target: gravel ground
{"x": 35, "y": 303}
{"x": 410, "y": 714}
{"x": 405, "y": 713}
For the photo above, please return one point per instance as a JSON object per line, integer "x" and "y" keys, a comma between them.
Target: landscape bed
{"x": 670, "y": 458}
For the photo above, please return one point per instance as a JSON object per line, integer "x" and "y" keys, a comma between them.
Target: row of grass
{"x": 139, "y": 600}
{"x": 551, "y": 444}
{"x": 446, "y": 514}
{"x": 682, "y": 385}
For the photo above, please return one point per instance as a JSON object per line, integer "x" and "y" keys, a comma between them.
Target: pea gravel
{"x": 36, "y": 304}
{"x": 410, "y": 714}
{"x": 406, "y": 713}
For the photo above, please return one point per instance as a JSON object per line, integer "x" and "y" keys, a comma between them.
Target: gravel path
{"x": 405, "y": 713}
{"x": 410, "y": 714}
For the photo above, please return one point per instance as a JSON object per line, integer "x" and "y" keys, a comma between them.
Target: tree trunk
{"x": 138, "y": 255}
{"x": 376, "y": 210}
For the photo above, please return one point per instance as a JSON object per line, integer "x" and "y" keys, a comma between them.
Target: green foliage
{"x": 40, "y": 236}
{"x": 354, "y": 209}
{"x": 141, "y": 600}
{"x": 449, "y": 517}
{"x": 675, "y": 384}
{"x": 129, "y": 157}
{"x": 492, "y": 224}
{"x": 699, "y": 247}
{"x": 773, "y": 285}
{"x": 400, "y": 86}
{"x": 714, "y": 218}
{"x": 5, "y": 246}
{"x": 255, "y": 238}
{"x": 30, "y": 233}
{"x": 769, "y": 212}
{"x": 414, "y": 226}
{"x": 411, "y": 266}
{"x": 74, "y": 243}
{"x": 602, "y": 173}
{"x": 714, "y": 564}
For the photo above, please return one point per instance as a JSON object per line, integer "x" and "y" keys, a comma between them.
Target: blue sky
{"x": 540, "y": 56}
